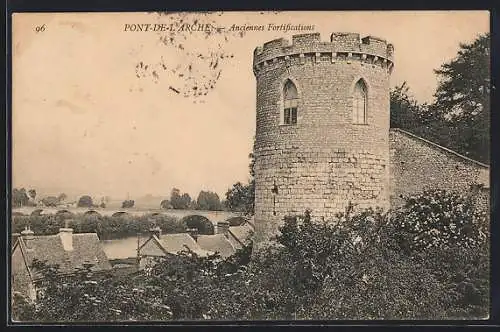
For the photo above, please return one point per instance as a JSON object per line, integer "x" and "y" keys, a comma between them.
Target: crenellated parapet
{"x": 348, "y": 47}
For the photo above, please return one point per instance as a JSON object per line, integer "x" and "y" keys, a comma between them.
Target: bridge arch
{"x": 120, "y": 214}
{"x": 92, "y": 213}
{"x": 201, "y": 223}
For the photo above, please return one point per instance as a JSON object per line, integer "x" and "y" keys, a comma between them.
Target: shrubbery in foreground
{"x": 366, "y": 265}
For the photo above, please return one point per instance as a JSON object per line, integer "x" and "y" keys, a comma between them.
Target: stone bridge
{"x": 213, "y": 216}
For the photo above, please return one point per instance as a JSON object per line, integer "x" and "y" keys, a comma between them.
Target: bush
{"x": 129, "y": 203}
{"x": 437, "y": 218}
{"x": 85, "y": 201}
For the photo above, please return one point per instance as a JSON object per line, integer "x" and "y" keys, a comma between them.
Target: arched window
{"x": 290, "y": 103}
{"x": 360, "y": 103}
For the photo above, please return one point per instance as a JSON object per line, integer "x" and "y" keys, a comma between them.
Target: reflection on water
{"x": 122, "y": 248}
{"x": 127, "y": 247}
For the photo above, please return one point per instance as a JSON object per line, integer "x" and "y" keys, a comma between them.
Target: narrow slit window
{"x": 291, "y": 101}
{"x": 360, "y": 103}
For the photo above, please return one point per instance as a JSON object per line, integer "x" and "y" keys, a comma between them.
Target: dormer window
{"x": 290, "y": 103}
{"x": 360, "y": 103}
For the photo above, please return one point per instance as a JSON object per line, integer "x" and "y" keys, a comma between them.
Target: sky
{"x": 104, "y": 109}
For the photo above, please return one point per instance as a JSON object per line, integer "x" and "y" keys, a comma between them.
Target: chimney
{"x": 155, "y": 231}
{"x": 66, "y": 235}
{"x": 28, "y": 235}
{"x": 193, "y": 232}
{"x": 223, "y": 228}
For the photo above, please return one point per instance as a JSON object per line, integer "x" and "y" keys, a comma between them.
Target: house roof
{"x": 241, "y": 236}
{"x": 216, "y": 243}
{"x": 174, "y": 243}
{"x": 49, "y": 248}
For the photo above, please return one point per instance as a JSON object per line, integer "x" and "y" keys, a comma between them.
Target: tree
{"x": 129, "y": 203}
{"x": 185, "y": 201}
{"x": 50, "y": 201}
{"x": 463, "y": 97}
{"x": 85, "y": 201}
{"x": 406, "y": 113}
{"x": 62, "y": 197}
{"x": 165, "y": 204}
{"x": 459, "y": 117}
{"x": 32, "y": 193}
{"x": 209, "y": 201}
{"x": 179, "y": 201}
{"x": 19, "y": 197}
{"x": 175, "y": 198}
{"x": 241, "y": 197}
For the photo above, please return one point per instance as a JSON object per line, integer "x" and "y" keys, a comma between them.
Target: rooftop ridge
{"x": 440, "y": 147}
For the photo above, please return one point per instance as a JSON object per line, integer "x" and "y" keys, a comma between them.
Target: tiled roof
{"x": 174, "y": 243}
{"x": 216, "y": 243}
{"x": 241, "y": 235}
{"x": 86, "y": 248}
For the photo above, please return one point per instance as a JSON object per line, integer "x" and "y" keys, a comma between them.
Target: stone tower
{"x": 322, "y": 131}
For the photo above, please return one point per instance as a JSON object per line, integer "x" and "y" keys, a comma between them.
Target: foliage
{"x": 201, "y": 223}
{"x": 179, "y": 201}
{"x": 165, "y": 204}
{"x": 86, "y": 297}
{"x": 405, "y": 112}
{"x": 62, "y": 197}
{"x": 459, "y": 117}
{"x": 463, "y": 96}
{"x": 50, "y": 201}
{"x": 437, "y": 218}
{"x": 32, "y": 193}
{"x": 355, "y": 266}
{"x": 208, "y": 201}
{"x": 19, "y": 197}
{"x": 241, "y": 197}
{"x": 106, "y": 227}
{"x": 129, "y": 203}
{"x": 22, "y": 309}
{"x": 85, "y": 201}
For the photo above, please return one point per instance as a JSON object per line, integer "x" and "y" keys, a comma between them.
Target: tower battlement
{"x": 341, "y": 47}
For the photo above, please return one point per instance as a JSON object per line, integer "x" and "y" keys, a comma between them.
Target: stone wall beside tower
{"x": 322, "y": 126}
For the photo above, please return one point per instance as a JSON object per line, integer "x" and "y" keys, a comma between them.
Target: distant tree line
{"x": 206, "y": 200}
{"x": 22, "y": 197}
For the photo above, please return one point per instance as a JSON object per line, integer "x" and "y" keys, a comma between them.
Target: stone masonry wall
{"x": 324, "y": 161}
{"x": 418, "y": 165}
